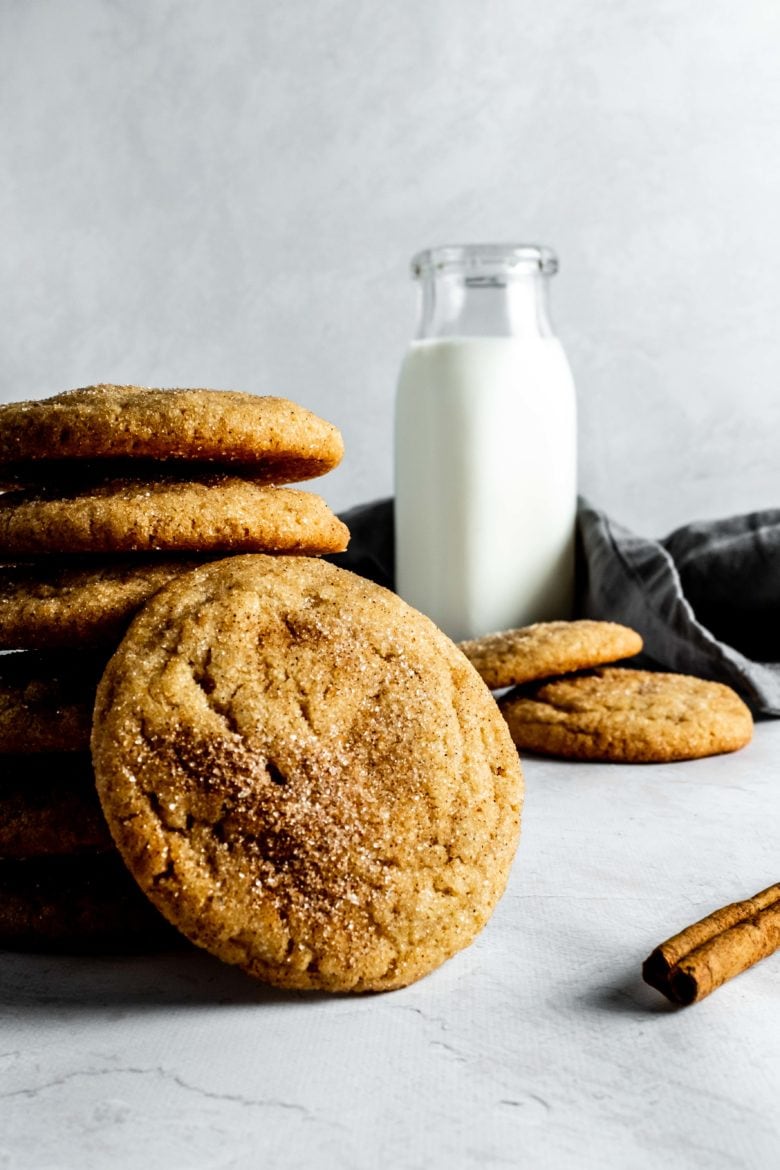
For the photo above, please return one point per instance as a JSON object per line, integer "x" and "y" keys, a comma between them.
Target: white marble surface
{"x": 537, "y": 1047}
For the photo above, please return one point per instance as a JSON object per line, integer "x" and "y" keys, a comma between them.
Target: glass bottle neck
{"x": 463, "y": 304}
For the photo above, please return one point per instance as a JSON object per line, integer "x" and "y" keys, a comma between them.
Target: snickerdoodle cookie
{"x": 216, "y": 514}
{"x": 628, "y": 716}
{"x": 547, "y": 649}
{"x": 72, "y": 601}
{"x": 46, "y": 701}
{"x": 49, "y": 807}
{"x": 305, "y": 775}
{"x": 76, "y": 904}
{"x": 272, "y": 439}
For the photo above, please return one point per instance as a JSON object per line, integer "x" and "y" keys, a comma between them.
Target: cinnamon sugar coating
{"x": 56, "y": 602}
{"x": 546, "y": 649}
{"x": 271, "y": 439}
{"x": 305, "y": 775}
{"x": 216, "y": 514}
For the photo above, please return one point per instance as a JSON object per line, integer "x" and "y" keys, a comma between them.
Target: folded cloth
{"x": 371, "y": 551}
{"x": 706, "y": 599}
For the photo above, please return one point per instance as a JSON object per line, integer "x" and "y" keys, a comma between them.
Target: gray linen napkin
{"x": 706, "y": 599}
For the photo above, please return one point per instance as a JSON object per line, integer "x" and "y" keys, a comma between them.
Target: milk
{"x": 486, "y": 482}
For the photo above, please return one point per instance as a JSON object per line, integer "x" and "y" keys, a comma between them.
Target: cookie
{"x": 305, "y": 775}
{"x": 66, "y": 904}
{"x": 628, "y": 716}
{"x": 46, "y": 701}
{"x": 49, "y": 807}
{"x": 548, "y": 649}
{"x": 219, "y": 514}
{"x": 274, "y": 440}
{"x": 54, "y": 603}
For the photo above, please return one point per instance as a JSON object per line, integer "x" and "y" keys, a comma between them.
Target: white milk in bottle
{"x": 485, "y": 445}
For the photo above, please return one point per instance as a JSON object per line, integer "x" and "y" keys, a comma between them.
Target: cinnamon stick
{"x": 693, "y": 963}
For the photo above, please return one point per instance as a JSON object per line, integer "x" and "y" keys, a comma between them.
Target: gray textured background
{"x": 227, "y": 194}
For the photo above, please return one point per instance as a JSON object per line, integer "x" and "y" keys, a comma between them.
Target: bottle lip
{"x": 476, "y": 259}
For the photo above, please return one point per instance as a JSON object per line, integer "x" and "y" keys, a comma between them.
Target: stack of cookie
{"x": 567, "y": 702}
{"x": 111, "y": 492}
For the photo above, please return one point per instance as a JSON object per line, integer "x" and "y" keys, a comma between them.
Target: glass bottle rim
{"x": 511, "y": 259}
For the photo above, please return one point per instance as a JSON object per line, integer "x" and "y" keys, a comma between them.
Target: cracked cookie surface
{"x": 271, "y": 438}
{"x": 547, "y": 649}
{"x": 628, "y": 716}
{"x": 305, "y": 775}
{"x": 78, "y": 601}
{"x": 217, "y": 514}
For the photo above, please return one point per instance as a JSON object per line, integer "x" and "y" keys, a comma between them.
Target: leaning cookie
{"x": 628, "y": 716}
{"x": 548, "y": 649}
{"x": 213, "y": 515}
{"x": 46, "y": 701}
{"x": 60, "y": 602}
{"x": 136, "y": 428}
{"x": 305, "y": 775}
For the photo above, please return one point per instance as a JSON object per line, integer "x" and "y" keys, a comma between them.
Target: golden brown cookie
{"x": 270, "y": 438}
{"x": 218, "y": 514}
{"x": 305, "y": 775}
{"x": 46, "y": 701}
{"x": 77, "y": 904}
{"x": 49, "y": 807}
{"x": 547, "y": 649}
{"x": 71, "y": 601}
{"x": 628, "y": 716}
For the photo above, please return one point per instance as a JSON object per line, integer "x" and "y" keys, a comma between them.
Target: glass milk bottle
{"x": 485, "y": 445}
